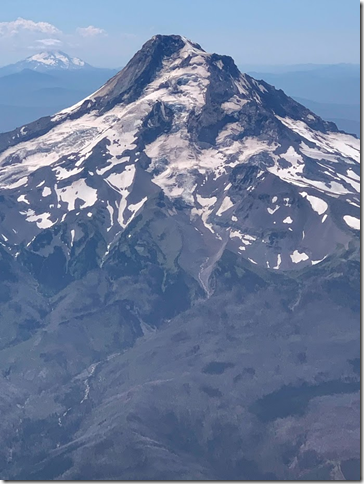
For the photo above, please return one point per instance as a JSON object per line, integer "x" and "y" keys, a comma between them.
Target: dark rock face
{"x": 140, "y": 71}
{"x": 179, "y": 262}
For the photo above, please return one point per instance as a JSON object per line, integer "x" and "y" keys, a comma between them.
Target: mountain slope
{"x": 331, "y": 91}
{"x": 345, "y": 116}
{"x": 189, "y": 231}
{"x": 338, "y": 83}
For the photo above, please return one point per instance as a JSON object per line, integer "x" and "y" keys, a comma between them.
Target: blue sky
{"x": 108, "y": 32}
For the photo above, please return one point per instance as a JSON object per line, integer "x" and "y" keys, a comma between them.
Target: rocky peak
{"x": 156, "y": 55}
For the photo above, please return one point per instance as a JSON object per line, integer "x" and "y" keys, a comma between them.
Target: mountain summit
{"x": 183, "y": 206}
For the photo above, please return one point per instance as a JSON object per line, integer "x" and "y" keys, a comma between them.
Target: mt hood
{"x": 180, "y": 281}
{"x": 236, "y": 164}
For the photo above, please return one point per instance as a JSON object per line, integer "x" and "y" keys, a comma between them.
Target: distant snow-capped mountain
{"x": 46, "y": 61}
{"x": 54, "y": 60}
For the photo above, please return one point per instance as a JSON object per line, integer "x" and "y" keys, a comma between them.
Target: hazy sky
{"x": 108, "y": 32}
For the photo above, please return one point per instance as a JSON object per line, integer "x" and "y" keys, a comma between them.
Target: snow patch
{"x": 22, "y": 198}
{"x": 288, "y": 220}
{"x": 279, "y": 261}
{"x": 226, "y": 204}
{"x": 121, "y": 182}
{"x": 314, "y": 262}
{"x": 77, "y": 190}
{"x": 42, "y": 220}
{"x": 46, "y": 192}
{"x": 352, "y": 222}
{"x": 298, "y": 256}
{"x": 272, "y": 210}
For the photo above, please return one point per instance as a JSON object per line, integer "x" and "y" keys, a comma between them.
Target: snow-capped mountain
{"x": 53, "y": 60}
{"x": 179, "y": 291}
{"x": 239, "y": 164}
{"x": 46, "y": 61}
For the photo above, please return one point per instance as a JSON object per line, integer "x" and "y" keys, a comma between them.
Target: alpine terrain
{"x": 179, "y": 290}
